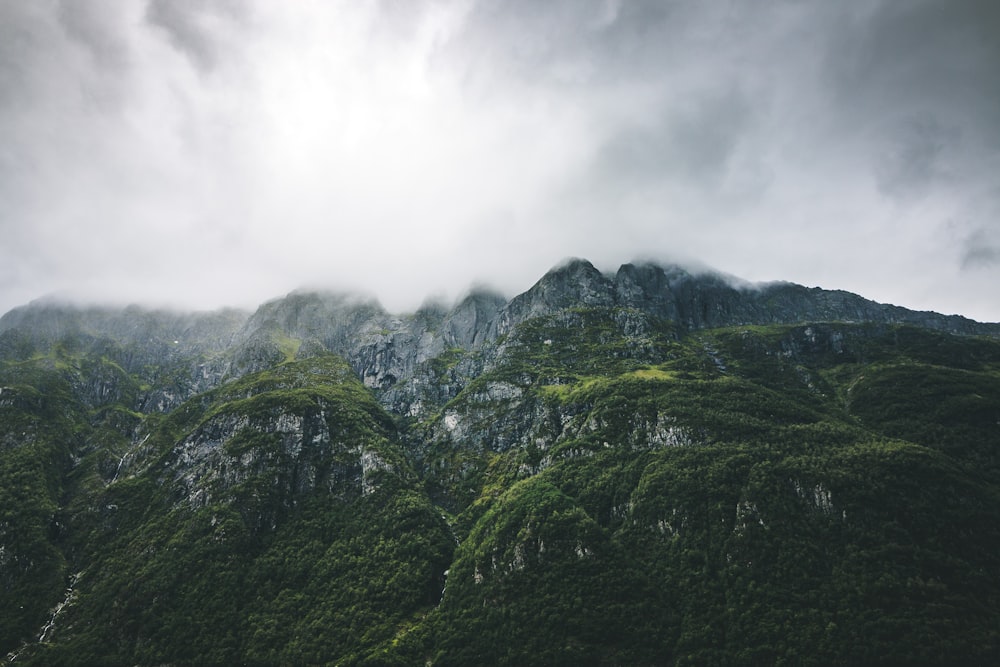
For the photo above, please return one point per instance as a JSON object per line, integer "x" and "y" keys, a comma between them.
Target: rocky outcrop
{"x": 414, "y": 362}
{"x": 276, "y": 455}
{"x": 575, "y": 284}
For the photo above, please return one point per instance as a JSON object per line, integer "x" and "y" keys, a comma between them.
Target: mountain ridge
{"x": 389, "y": 352}
{"x": 697, "y": 299}
{"x": 386, "y": 349}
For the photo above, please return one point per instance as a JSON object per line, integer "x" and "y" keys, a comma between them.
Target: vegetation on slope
{"x": 760, "y": 496}
{"x": 321, "y": 553}
{"x": 822, "y": 494}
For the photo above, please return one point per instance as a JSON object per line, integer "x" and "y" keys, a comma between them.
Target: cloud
{"x": 916, "y": 157}
{"x": 981, "y": 249}
{"x": 206, "y": 152}
{"x": 978, "y": 236}
{"x": 99, "y": 28}
{"x": 195, "y": 27}
{"x": 919, "y": 55}
{"x": 692, "y": 141}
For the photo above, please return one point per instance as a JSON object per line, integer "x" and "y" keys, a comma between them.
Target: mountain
{"x": 653, "y": 467}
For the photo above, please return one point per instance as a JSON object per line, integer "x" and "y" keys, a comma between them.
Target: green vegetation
{"x": 766, "y": 495}
{"x": 300, "y": 539}
{"x": 288, "y": 346}
{"x": 605, "y": 492}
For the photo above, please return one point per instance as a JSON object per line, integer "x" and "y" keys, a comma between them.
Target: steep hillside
{"x": 655, "y": 467}
{"x": 249, "y": 516}
{"x": 743, "y": 496}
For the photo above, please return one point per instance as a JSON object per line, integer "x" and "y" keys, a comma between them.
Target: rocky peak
{"x": 574, "y": 284}
{"x": 473, "y": 320}
{"x": 648, "y": 287}
{"x": 333, "y": 318}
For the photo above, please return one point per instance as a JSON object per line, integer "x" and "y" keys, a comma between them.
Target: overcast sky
{"x": 222, "y": 152}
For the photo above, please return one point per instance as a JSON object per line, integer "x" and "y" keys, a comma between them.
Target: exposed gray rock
{"x": 473, "y": 321}
{"x": 237, "y": 456}
{"x": 575, "y": 284}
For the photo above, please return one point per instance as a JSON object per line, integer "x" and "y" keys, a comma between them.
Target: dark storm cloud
{"x": 981, "y": 250}
{"x": 92, "y": 23}
{"x": 29, "y": 74}
{"x": 188, "y": 23}
{"x": 22, "y": 37}
{"x": 924, "y": 74}
{"x": 980, "y": 237}
{"x": 692, "y": 143}
{"x": 932, "y": 54}
{"x": 592, "y": 40}
{"x": 599, "y": 42}
{"x": 918, "y": 154}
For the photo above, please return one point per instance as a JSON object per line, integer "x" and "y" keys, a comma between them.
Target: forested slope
{"x": 575, "y": 476}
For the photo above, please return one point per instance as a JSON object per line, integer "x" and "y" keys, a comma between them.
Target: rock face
{"x": 385, "y": 350}
{"x": 266, "y": 443}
